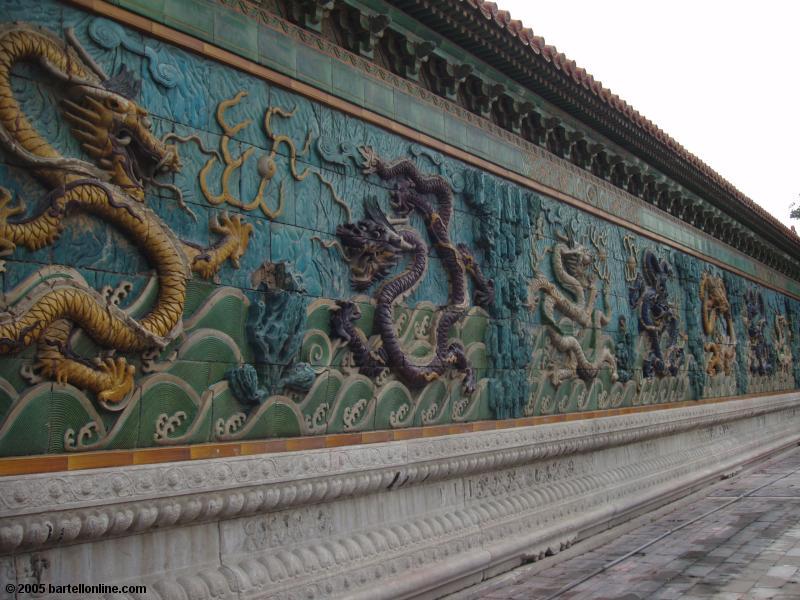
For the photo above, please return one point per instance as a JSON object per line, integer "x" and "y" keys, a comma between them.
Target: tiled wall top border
{"x": 545, "y": 173}
{"x": 24, "y": 465}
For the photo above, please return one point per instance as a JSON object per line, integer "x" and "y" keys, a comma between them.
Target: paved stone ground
{"x": 749, "y": 549}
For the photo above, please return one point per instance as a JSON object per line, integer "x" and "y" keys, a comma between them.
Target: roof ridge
{"x": 537, "y": 44}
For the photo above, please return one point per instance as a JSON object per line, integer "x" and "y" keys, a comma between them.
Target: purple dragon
{"x": 373, "y": 247}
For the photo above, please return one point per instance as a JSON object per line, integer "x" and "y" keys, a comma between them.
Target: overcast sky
{"x": 722, "y": 78}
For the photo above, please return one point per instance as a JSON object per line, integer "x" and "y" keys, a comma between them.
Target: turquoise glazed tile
{"x": 378, "y": 97}
{"x": 277, "y": 51}
{"x": 455, "y": 131}
{"x": 49, "y": 13}
{"x": 347, "y": 83}
{"x": 263, "y": 348}
{"x": 316, "y": 67}
{"x": 236, "y": 32}
{"x": 153, "y": 9}
{"x": 477, "y": 141}
{"x": 35, "y": 405}
{"x": 176, "y": 400}
{"x": 195, "y": 17}
{"x": 417, "y": 115}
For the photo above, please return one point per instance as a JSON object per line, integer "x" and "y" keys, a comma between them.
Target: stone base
{"x": 418, "y": 518}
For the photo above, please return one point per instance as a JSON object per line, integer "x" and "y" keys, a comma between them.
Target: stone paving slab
{"x": 748, "y": 549}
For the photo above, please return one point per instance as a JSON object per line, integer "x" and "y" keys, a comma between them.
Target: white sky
{"x": 722, "y": 78}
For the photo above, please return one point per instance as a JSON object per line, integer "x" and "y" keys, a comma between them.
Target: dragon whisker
{"x": 178, "y": 194}
{"x": 77, "y": 110}
{"x": 332, "y": 244}
{"x": 192, "y": 138}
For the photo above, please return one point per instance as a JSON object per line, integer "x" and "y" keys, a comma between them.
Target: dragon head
{"x": 117, "y": 132}
{"x": 577, "y": 261}
{"x": 371, "y": 246}
{"x": 573, "y": 256}
{"x": 656, "y": 273}
{"x": 715, "y": 297}
{"x": 755, "y": 308}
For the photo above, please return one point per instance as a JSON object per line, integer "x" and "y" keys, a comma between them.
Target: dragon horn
{"x": 374, "y": 212}
{"x": 72, "y": 110}
{"x": 72, "y": 40}
{"x": 93, "y": 150}
{"x": 651, "y": 267}
{"x": 99, "y": 108}
{"x": 84, "y": 136}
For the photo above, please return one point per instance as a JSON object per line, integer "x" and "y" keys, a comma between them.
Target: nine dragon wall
{"x": 579, "y": 314}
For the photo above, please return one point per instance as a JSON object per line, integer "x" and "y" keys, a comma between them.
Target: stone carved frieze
{"x": 236, "y": 486}
{"x": 280, "y": 529}
{"x": 520, "y": 504}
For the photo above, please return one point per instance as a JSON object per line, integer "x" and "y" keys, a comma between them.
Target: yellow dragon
{"x": 116, "y": 133}
{"x": 715, "y": 305}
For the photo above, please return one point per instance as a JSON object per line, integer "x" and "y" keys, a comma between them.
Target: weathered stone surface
{"x": 736, "y": 540}
{"x": 393, "y": 520}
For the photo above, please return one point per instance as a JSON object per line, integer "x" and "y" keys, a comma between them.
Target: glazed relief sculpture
{"x": 266, "y": 166}
{"x": 768, "y": 341}
{"x": 577, "y": 273}
{"x": 656, "y": 356}
{"x": 574, "y": 365}
{"x": 452, "y": 295}
{"x": 116, "y": 133}
{"x": 755, "y": 320}
{"x": 717, "y": 325}
{"x": 373, "y": 246}
{"x": 658, "y": 318}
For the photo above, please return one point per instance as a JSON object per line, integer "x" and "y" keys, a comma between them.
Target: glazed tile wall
{"x": 328, "y": 67}
{"x": 580, "y": 314}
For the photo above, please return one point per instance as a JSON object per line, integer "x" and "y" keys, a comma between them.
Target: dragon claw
{"x": 469, "y": 384}
{"x": 236, "y": 237}
{"x": 237, "y": 230}
{"x": 119, "y": 375}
